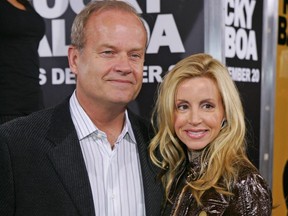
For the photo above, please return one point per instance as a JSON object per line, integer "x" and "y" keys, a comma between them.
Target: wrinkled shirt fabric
{"x": 252, "y": 195}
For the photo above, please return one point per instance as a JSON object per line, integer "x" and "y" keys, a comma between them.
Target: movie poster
{"x": 243, "y": 50}
{"x": 175, "y": 29}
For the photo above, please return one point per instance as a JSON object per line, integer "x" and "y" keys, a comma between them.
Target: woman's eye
{"x": 182, "y": 107}
{"x": 208, "y": 106}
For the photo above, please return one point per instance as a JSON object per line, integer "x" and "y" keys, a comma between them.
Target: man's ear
{"x": 73, "y": 54}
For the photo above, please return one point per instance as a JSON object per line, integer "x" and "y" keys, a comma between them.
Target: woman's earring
{"x": 223, "y": 123}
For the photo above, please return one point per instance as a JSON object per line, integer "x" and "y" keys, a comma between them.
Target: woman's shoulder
{"x": 251, "y": 193}
{"x": 249, "y": 176}
{"x": 247, "y": 172}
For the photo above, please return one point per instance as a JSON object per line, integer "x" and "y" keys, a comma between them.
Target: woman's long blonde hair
{"x": 224, "y": 154}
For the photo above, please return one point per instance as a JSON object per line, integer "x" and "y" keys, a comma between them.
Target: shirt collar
{"x": 85, "y": 127}
{"x": 83, "y": 124}
{"x": 129, "y": 127}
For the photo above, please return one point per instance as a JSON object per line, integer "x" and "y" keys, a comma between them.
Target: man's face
{"x": 109, "y": 68}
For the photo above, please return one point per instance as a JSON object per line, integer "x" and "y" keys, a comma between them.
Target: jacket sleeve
{"x": 6, "y": 180}
{"x": 252, "y": 196}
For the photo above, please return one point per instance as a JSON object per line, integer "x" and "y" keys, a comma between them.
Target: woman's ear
{"x": 223, "y": 123}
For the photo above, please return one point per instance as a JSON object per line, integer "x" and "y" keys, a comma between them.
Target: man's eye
{"x": 135, "y": 56}
{"x": 107, "y": 52}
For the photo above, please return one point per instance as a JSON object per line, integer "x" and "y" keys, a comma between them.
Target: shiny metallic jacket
{"x": 252, "y": 196}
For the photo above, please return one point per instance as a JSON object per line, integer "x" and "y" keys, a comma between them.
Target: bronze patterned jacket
{"x": 252, "y": 196}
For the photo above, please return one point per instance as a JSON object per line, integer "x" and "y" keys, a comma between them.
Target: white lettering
{"x": 165, "y": 33}
{"x": 70, "y": 77}
{"x": 171, "y": 67}
{"x": 58, "y": 38}
{"x": 249, "y": 12}
{"x": 153, "y": 6}
{"x": 252, "y": 46}
{"x": 152, "y": 73}
{"x": 230, "y": 36}
{"x": 229, "y": 13}
{"x": 239, "y": 19}
{"x": 44, "y": 49}
{"x": 240, "y": 74}
{"x": 240, "y": 13}
{"x": 59, "y": 76}
{"x": 58, "y": 9}
{"x": 77, "y": 5}
{"x": 255, "y": 75}
{"x": 42, "y": 76}
{"x": 244, "y": 74}
{"x": 240, "y": 43}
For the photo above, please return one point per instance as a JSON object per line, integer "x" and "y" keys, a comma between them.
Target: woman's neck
{"x": 192, "y": 154}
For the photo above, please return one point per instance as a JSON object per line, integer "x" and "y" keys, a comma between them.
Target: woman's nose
{"x": 195, "y": 117}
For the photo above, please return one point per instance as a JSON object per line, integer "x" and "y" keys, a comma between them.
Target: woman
{"x": 20, "y": 33}
{"x": 201, "y": 141}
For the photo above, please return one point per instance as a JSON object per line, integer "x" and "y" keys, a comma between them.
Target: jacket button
{"x": 203, "y": 213}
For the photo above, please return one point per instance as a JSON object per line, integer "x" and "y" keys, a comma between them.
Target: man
{"x": 88, "y": 155}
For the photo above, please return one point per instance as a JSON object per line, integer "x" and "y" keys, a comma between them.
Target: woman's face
{"x": 199, "y": 112}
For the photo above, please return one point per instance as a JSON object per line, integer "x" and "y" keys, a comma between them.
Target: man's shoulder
{"x": 36, "y": 121}
{"x": 138, "y": 121}
{"x": 28, "y": 121}
{"x": 135, "y": 117}
{"x": 141, "y": 126}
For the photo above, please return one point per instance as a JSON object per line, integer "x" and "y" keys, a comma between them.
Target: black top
{"x": 20, "y": 34}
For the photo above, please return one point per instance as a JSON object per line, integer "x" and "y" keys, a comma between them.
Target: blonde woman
{"x": 201, "y": 140}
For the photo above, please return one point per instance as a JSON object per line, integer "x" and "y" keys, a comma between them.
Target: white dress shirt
{"x": 114, "y": 174}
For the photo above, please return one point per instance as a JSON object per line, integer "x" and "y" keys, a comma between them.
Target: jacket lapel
{"x": 68, "y": 160}
{"x": 152, "y": 188}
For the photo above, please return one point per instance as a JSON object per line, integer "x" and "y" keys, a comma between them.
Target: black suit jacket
{"x": 42, "y": 170}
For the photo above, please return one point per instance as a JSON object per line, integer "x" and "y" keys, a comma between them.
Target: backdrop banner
{"x": 175, "y": 29}
{"x": 243, "y": 50}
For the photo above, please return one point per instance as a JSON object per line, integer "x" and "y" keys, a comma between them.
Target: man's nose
{"x": 123, "y": 64}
